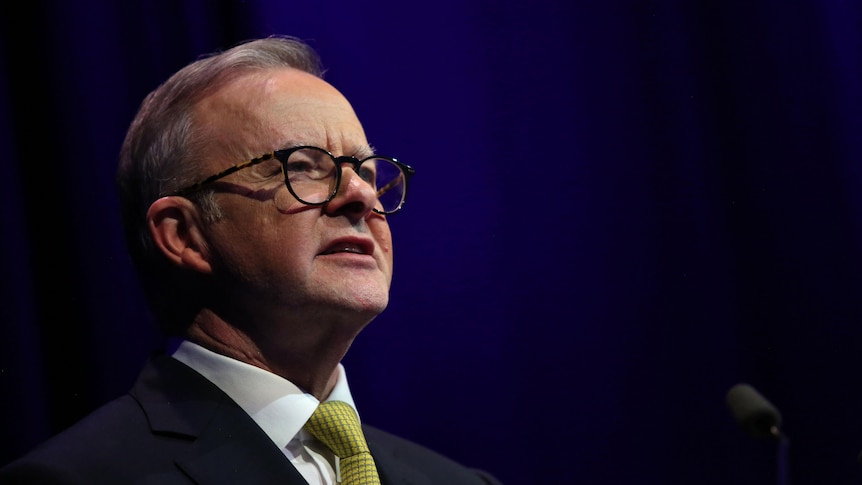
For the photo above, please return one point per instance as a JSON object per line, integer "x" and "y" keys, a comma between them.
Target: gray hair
{"x": 159, "y": 153}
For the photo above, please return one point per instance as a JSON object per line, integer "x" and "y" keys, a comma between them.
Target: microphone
{"x": 754, "y": 414}
{"x": 760, "y": 419}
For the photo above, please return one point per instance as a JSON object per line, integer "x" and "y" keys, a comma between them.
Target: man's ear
{"x": 175, "y": 227}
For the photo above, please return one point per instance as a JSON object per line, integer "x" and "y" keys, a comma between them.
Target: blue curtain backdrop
{"x": 622, "y": 208}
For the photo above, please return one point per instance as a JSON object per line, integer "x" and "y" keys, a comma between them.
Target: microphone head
{"x": 754, "y": 414}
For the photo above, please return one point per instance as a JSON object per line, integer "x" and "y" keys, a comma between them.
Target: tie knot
{"x": 336, "y": 425}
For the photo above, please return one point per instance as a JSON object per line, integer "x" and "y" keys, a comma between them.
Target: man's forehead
{"x": 281, "y": 108}
{"x": 275, "y": 88}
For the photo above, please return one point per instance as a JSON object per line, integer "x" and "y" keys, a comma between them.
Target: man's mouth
{"x": 344, "y": 249}
{"x": 343, "y": 246}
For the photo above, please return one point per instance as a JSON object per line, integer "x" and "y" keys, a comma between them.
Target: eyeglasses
{"x": 313, "y": 175}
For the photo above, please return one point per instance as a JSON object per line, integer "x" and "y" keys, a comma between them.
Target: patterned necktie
{"x": 336, "y": 425}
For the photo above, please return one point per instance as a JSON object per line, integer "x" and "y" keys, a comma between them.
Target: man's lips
{"x": 349, "y": 245}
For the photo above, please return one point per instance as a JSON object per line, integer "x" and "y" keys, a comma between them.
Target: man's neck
{"x": 309, "y": 361}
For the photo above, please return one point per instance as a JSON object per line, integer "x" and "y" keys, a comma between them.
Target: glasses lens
{"x": 388, "y": 180}
{"x": 310, "y": 175}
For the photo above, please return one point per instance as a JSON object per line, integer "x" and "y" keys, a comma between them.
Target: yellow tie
{"x": 336, "y": 425}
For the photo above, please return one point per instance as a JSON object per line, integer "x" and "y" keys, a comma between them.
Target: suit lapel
{"x": 233, "y": 450}
{"x": 225, "y": 445}
{"x": 393, "y": 469}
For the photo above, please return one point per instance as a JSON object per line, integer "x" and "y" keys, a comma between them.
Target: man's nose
{"x": 355, "y": 196}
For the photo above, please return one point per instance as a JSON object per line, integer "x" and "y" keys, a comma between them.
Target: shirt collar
{"x": 277, "y": 405}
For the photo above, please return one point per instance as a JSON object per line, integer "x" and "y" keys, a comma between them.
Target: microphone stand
{"x": 760, "y": 419}
{"x": 782, "y": 457}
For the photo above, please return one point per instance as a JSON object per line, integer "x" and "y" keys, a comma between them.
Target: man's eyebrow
{"x": 364, "y": 152}
{"x": 295, "y": 144}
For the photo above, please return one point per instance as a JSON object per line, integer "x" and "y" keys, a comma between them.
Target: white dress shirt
{"x": 279, "y": 407}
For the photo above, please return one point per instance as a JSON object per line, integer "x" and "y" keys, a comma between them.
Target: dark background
{"x": 622, "y": 208}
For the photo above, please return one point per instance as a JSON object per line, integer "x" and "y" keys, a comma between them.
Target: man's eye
{"x": 300, "y": 166}
{"x": 367, "y": 174}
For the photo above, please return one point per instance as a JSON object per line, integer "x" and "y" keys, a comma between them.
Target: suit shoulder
{"x": 109, "y": 438}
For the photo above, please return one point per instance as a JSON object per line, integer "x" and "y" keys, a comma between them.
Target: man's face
{"x": 274, "y": 257}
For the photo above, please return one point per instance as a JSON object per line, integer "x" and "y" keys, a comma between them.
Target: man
{"x": 255, "y": 212}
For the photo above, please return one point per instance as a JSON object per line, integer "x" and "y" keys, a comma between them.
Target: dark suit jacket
{"x": 176, "y": 427}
